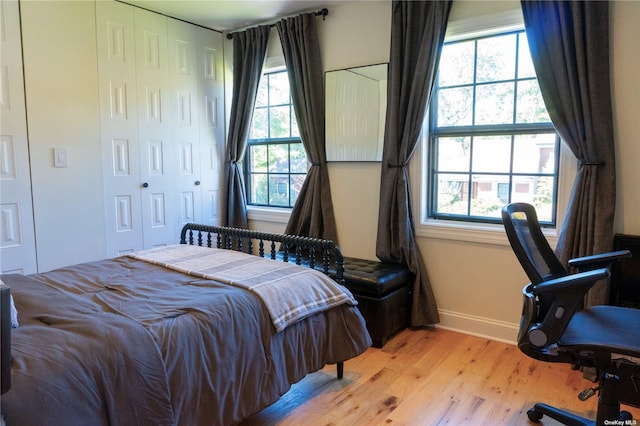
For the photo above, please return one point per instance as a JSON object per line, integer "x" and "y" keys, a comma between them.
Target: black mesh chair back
{"x": 532, "y": 249}
{"x": 529, "y": 243}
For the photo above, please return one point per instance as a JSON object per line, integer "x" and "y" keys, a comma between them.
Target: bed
{"x": 156, "y": 338}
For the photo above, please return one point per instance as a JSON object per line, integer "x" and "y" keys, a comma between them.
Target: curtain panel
{"x": 417, "y": 37}
{"x": 569, "y": 44}
{"x": 249, "y": 50}
{"x": 312, "y": 214}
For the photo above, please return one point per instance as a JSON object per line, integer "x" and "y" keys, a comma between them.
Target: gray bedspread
{"x": 125, "y": 342}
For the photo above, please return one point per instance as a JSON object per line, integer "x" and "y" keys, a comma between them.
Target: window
{"x": 491, "y": 141}
{"x": 275, "y": 162}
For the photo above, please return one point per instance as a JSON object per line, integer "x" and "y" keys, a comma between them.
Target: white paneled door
{"x": 17, "y": 237}
{"x": 161, "y": 98}
{"x": 119, "y": 127}
{"x": 211, "y": 90}
{"x": 185, "y": 137}
{"x": 154, "y": 128}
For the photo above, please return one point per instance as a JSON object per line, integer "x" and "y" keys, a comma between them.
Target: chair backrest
{"x": 539, "y": 326}
{"x": 529, "y": 243}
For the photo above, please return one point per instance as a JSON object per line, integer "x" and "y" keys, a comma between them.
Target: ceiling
{"x": 230, "y": 15}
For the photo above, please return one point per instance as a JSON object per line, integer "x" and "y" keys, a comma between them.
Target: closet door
{"x": 119, "y": 127}
{"x": 157, "y": 172}
{"x": 211, "y": 91}
{"x": 185, "y": 115}
{"x": 17, "y": 237}
{"x": 161, "y": 108}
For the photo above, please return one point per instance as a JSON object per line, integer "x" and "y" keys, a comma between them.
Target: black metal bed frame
{"x": 316, "y": 253}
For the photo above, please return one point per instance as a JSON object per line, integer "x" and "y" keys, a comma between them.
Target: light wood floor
{"x": 431, "y": 377}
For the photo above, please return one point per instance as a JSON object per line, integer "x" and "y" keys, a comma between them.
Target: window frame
{"x": 474, "y": 131}
{"x": 467, "y": 231}
{"x": 268, "y": 141}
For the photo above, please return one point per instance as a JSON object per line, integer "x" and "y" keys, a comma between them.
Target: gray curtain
{"x": 312, "y": 214}
{"x": 249, "y": 49}
{"x": 417, "y": 36}
{"x": 569, "y": 43}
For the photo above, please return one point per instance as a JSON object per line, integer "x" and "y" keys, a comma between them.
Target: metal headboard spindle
{"x": 303, "y": 249}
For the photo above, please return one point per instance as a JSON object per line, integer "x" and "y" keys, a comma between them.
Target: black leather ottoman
{"x": 383, "y": 292}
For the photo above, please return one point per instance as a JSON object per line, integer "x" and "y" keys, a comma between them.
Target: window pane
{"x": 279, "y": 158}
{"x": 280, "y": 122}
{"x": 262, "y": 98}
{"x": 494, "y": 104}
{"x": 258, "y": 156}
{"x": 530, "y": 108}
{"x": 534, "y": 153}
{"x": 496, "y": 58}
{"x": 486, "y": 195}
{"x": 278, "y": 88}
{"x": 456, "y": 64}
{"x": 296, "y": 186}
{"x": 535, "y": 190}
{"x": 492, "y": 154}
{"x": 279, "y": 190}
{"x": 525, "y": 64}
{"x": 455, "y": 107}
{"x": 453, "y": 154}
{"x": 295, "y": 132}
{"x": 259, "y": 124}
{"x": 259, "y": 189}
{"x": 298, "y": 158}
{"x": 453, "y": 194}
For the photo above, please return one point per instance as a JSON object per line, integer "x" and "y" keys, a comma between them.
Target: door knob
{"x": 145, "y": 185}
{"x": 197, "y": 182}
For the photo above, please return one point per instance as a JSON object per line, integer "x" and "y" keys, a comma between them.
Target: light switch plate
{"x": 60, "y": 158}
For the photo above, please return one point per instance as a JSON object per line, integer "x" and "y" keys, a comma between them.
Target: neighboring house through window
{"x": 275, "y": 162}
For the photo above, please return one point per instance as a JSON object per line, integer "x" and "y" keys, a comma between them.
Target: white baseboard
{"x": 478, "y": 326}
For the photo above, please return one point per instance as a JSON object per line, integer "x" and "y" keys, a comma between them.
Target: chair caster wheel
{"x": 625, "y": 415}
{"x": 534, "y": 416}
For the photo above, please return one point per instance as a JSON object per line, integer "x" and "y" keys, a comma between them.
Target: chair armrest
{"x": 580, "y": 280}
{"x": 563, "y": 297}
{"x": 601, "y": 260}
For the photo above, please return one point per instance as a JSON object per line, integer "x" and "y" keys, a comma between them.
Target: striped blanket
{"x": 290, "y": 292}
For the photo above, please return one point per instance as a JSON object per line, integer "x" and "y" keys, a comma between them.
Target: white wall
{"x": 624, "y": 17}
{"x": 354, "y": 35}
{"x": 477, "y": 285}
{"x": 59, "y": 48}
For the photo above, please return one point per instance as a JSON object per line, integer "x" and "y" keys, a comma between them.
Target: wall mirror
{"x": 355, "y": 108}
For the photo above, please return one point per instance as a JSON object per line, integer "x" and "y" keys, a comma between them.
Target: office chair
{"x": 554, "y": 327}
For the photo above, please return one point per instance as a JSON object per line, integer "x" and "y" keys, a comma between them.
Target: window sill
{"x": 267, "y": 214}
{"x": 483, "y": 233}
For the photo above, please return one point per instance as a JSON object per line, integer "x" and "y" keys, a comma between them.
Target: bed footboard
{"x": 316, "y": 253}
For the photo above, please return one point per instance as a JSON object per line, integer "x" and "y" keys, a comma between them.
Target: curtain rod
{"x": 324, "y": 12}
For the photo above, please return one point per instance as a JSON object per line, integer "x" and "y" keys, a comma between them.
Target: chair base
{"x": 608, "y": 408}
{"x": 539, "y": 410}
